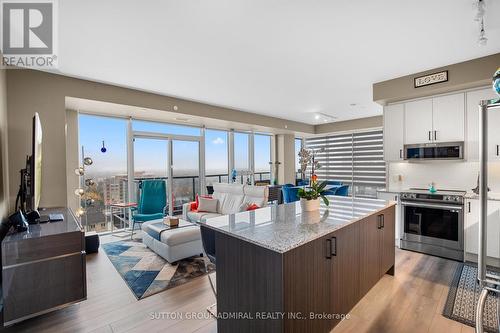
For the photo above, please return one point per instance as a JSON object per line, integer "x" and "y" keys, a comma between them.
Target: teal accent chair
{"x": 152, "y": 202}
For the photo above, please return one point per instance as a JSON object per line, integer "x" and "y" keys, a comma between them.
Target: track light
{"x": 482, "y": 35}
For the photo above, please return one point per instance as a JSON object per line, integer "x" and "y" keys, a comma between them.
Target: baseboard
{"x": 490, "y": 261}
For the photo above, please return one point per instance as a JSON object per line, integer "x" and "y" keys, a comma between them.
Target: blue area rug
{"x": 146, "y": 273}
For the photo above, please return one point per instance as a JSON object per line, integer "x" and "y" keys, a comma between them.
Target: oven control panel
{"x": 433, "y": 197}
{"x": 453, "y": 198}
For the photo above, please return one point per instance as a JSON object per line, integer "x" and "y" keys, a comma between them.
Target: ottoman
{"x": 174, "y": 244}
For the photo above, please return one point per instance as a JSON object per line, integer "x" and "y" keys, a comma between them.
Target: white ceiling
{"x": 285, "y": 58}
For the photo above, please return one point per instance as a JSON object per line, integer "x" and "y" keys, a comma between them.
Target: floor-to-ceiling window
{"x": 298, "y": 147}
{"x": 169, "y": 152}
{"x": 354, "y": 158}
{"x": 216, "y": 156}
{"x": 241, "y": 156}
{"x": 104, "y": 140}
{"x": 262, "y": 157}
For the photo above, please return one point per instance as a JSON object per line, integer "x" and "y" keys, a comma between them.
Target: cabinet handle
{"x": 498, "y": 150}
{"x": 379, "y": 222}
{"x": 334, "y": 246}
{"x": 435, "y": 135}
{"x": 430, "y": 136}
{"x": 382, "y": 218}
{"x": 328, "y": 248}
{"x": 469, "y": 206}
{"x": 401, "y": 153}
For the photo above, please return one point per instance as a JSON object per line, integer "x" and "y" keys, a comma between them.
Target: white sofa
{"x": 185, "y": 242}
{"x": 232, "y": 198}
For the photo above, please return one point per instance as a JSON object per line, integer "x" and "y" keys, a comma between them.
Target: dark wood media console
{"x": 43, "y": 269}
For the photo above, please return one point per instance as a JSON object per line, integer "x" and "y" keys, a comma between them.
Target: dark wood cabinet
{"x": 369, "y": 242}
{"x": 377, "y": 243}
{"x": 345, "y": 288}
{"x": 388, "y": 241}
{"x": 44, "y": 268}
{"x": 311, "y": 286}
{"x": 305, "y": 270}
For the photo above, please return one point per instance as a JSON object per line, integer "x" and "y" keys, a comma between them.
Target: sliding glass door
{"x": 150, "y": 162}
{"x": 171, "y": 158}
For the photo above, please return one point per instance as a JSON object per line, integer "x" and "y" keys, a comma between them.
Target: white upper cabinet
{"x": 448, "y": 118}
{"x": 438, "y": 119}
{"x": 473, "y": 98}
{"x": 418, "y": 121}
{"x": 393, "y": 132}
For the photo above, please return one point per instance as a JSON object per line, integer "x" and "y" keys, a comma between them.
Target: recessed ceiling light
{"x": 317, "y": 116}
{"x": 176, "y": 108}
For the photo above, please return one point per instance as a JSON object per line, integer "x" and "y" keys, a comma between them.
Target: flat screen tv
{"x": 36, "y": 164}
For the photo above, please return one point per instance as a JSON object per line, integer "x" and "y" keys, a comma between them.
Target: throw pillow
{"x": 253, "y": 207}
{"x": 194, "y": 204}
{"x": 208, "y": 205}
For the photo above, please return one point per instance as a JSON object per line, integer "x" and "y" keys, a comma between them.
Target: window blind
{"x": 355, "y": 159}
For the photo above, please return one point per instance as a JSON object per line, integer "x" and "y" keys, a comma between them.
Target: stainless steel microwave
{"x": 434, "y": 151}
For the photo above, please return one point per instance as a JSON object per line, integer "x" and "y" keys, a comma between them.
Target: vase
{"x": 309, "y": 205}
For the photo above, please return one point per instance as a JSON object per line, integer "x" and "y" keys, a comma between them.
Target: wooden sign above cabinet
{"x": 429, "y": 79}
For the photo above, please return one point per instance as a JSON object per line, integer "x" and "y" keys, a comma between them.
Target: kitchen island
{"x": 283, "y": 270}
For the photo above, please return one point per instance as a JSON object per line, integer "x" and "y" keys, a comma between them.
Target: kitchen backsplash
{"x": 445, "y": 175}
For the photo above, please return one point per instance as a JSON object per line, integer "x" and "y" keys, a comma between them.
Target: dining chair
{"x": 290, "y": 193}
{"x": 342, "y": 190}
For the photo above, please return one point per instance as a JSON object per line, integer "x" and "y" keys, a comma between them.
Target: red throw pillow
{"x": 252, "y": 207}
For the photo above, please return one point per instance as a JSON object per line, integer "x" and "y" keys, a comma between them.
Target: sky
{"x": 150, "y": 155}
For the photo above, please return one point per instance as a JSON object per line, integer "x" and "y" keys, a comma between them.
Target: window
{"x": 149, "y": 126}
{"x": 298, "y": 146}
{"x": 109, "y": 169}
{"x": 241, "y": 162}
{"x": 216, "y": 156}
{"x": 355, "y": 159}
{"x": 262, "y": 157}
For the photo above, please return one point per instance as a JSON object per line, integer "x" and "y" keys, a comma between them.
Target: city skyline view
{"x": 151, "y": 154}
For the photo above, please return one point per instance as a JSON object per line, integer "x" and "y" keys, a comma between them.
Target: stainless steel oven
{"x": 433, "y": 223}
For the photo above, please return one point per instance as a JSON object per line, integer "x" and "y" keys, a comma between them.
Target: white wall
{"x": 445, "y": 175}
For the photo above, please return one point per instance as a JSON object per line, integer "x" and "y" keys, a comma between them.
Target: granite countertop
{"x": 282, "y": 228}
{"x": 392, "y": 190}
{"x": 491, "y": 196}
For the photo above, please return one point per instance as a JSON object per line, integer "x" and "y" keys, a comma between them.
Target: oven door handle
{"x": 413, "y": 204}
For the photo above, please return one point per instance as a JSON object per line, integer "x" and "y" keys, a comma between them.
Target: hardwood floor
{"x": 410, "y": 301}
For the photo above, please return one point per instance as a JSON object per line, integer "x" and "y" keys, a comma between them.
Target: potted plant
{"x": 310, "y": 195}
